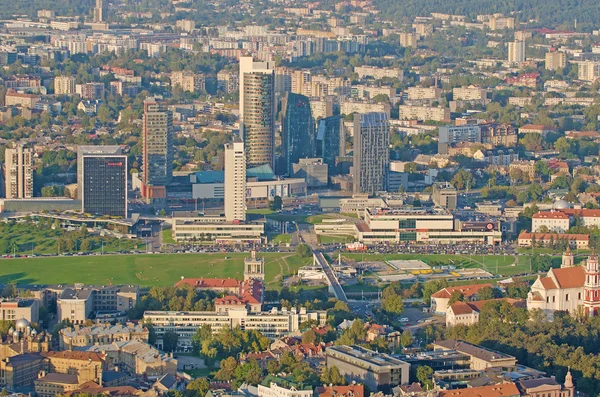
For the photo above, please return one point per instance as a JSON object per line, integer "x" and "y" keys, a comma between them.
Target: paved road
{"x": 338, "y": 291}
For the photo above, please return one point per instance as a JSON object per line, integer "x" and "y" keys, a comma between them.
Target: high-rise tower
{"x": 18, "y": 176}
{"x": 371, "y": 152}
{"x": 157, "y": 163}
{"x": 235, "y": 182}
{"x": 257, "y": 111}
{"x": 298, "y": 130}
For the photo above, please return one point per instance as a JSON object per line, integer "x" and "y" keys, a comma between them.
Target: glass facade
{"x": 105, "y": 185}
{"x": 330, "y": 140}
{"x": 298, "y": 130}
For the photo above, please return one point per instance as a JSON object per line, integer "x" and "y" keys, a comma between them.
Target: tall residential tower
{"x": 257, "y": 111}
{"x": 371, "y": 152}
{"x": 18, "y": 175}
{"x": 157, "y": 162}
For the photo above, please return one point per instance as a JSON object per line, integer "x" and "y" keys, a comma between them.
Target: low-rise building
{"x": 577, "y": 241}
{"x": 439, "y": 300}
{"x": 88, "y": 366}
{"x": 77, "y": 303}
{"x": 15, "y": 309}
{"x": 273, "y": 324}
{"x": 101, "y": 334}
{"x": 52, "y": 384}
{"x": 137, "y": 357}
{"x": 550, "y": 221}
{"x": 377, "y": 371}
{"x": 467, "y": 313}
{"x": 481, "y": 358}
{"x": 424, "y": 113}
{"x": 20, "y": 371}
{"x": 275, "y": 386}
{"x": 499, "y": 390}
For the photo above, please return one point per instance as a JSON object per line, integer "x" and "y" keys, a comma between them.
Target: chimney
{"x": 22, "y": 346}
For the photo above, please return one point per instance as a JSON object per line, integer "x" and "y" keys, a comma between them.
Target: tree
{"x": 170, "y": 340}
{"x": 456, "y": 296}
{"x": 331, "y": 375}
{"x": 303, "y": 251}
{"x": 341, "y": 306}
{"x": 393, "y": 304}
{"x": 309, "y": 336}
{"x": 197, "y": 388}
{"x": 275, "y": 204}
{"x": 406, "y": 339}
{"x": 85, "y": 245}
{"x": 227, "y": 369}
{"x": 424, "y": 374}
{"x": 463, "y": 179}
{"x": 487, "y": 293}
{"x": 411, "y": 168}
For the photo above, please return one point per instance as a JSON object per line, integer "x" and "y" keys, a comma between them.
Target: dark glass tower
{"x": 298, "y": 126}
{"x": 331, "y": 140}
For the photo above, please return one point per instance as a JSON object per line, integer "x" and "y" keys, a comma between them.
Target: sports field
{"x": 145, "y": 270}
{"x": 503, "y": 265}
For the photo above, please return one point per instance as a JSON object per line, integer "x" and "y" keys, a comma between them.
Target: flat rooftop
{"x": 365, "y": 356}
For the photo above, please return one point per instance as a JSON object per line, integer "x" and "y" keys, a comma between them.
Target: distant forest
{"x": 548, "y": 13}
{"x": 30, "y": 7}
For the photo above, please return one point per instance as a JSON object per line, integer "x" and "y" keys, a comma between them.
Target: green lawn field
{"x": 145, "y": 270}
{"x": 503, "y": 265}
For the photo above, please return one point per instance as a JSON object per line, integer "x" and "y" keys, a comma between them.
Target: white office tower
{"x": 235, "y": 182}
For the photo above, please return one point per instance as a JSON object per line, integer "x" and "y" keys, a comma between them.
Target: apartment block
{"x": 424, "y": 113}
{"x": 18, "y": 171}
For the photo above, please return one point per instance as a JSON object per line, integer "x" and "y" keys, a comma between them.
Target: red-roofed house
{"x": 550, "y": 221}
{"x": 536, "y": 129}
{"x": 589, "y": 218}
{"x": 340, "y": 391}
{"x": 213, "y": 284}
{"x": 439, "y": 300}
{"x": 579, "y": 241}
{"x": 500, "y": 390}
{"x": 467, "y": 313}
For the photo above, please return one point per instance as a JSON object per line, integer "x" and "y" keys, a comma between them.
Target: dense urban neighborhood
{"x": 289, "y": 198}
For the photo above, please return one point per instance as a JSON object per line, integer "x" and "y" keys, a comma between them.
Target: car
{"x": 404, "y": 320}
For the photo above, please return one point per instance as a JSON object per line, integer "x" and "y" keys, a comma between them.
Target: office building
{"x": 516, "y": 52}
{"x": 313, "y": 170}
{"x": 18, "y": 176}
{"x": 102, "y": 180}
{"x": 273, "y": 324}
{"x": 298, "y": 130}
{"x": 444, "y": 195}
{"x": 331, "y": 140}
{"x": 157, "y": 160}
{"x": 64, "y": 85}
{"x": 99, "y": 11}
{"x": 377, "y": 371}
{"x": 371, "y": 152}
{"x": 235, "y": 182}
{"x": 76, "y": 304}
{"x": 257, "y": 111}
{"x": 556, "y": 60}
